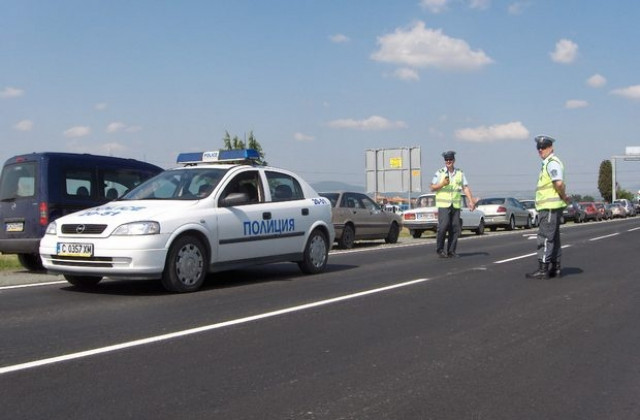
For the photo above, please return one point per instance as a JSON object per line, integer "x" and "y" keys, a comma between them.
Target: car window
{"x": 332, "y": 197}
{"x": 368, "y": 203}
{"x": 18, "y": 181}
{"x": 247, "y": 182}
{"x": 178, "y": 184}
{"x": 118, "y": 181}
{"x": 283, "y": 187}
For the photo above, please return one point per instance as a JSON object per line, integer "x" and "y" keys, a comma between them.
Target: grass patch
{"x": 9, "y": 262}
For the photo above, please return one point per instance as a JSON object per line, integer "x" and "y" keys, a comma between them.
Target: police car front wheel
{"x": 186, "y": 266}
{"x": 316, "y": 253}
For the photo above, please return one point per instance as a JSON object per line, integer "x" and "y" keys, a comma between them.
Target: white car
{"x": 530, "y": 205}
{"x": 425, "y": 217}
{"x": 213, "y": 214}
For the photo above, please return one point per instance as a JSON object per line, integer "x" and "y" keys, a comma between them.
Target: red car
{"x": 591, "y": 211}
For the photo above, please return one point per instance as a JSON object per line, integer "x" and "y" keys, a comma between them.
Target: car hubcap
{"x": 189, "y": 265}
{"x": 317, "y": 251}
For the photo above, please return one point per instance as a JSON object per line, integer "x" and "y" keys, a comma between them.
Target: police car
{"x": 219, "y": 211}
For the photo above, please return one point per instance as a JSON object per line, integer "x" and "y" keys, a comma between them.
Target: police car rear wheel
{"x": 82, "y": 281}
{"x": 316, "y": 253}
{"x": 185, "y": 269}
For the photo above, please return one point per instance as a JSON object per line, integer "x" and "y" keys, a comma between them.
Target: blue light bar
{"x": 219, "y": 156}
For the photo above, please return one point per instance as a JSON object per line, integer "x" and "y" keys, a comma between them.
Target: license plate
{"x": 14, "y": 227}
{"x": 74, "y": 249}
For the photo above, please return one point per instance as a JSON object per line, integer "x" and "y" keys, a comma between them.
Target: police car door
{"x": 290, "y": 212}
{"x": 239, "y": 233}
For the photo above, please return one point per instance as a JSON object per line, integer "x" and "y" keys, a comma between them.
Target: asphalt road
{"x": 387, "y": 332}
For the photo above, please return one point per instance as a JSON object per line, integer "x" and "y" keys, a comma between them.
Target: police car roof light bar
{"x": 219, "y": 156}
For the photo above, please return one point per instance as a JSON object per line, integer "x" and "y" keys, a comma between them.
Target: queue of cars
{"x": 222, "y": 210}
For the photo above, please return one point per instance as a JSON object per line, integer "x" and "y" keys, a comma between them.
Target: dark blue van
{"x": 37, "y": 188}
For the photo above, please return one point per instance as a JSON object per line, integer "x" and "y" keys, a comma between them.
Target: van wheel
{"x": 186, "y": 266}
{"x": 31, "y": 262}
{"x": 316, "y": 253}
{"x": 83, "y": 281}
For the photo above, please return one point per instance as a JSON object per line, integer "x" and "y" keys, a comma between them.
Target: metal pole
{"x": 613, "y": 178}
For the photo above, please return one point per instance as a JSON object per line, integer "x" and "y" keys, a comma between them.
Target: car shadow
{"x": 277, "y": 272}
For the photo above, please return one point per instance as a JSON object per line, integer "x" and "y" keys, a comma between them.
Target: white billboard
{"x": 393, "y": 170}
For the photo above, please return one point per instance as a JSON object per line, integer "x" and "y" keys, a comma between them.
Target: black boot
{"x": 555, "y": 270}
{"x": 541, "y": 273}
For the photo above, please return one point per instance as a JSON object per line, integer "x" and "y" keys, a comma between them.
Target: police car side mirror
{"x": 234, "y": 199}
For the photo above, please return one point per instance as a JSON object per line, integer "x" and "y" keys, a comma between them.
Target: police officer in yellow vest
{"x": 449, "y": 183}
{"x": 551, "y": 199}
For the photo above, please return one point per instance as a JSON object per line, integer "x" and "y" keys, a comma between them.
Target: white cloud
{"x": 421, "y": 47}
{"x": 339, "y": 38}
{"x": 596, "y": 81}
{"x": 480, "y": 4}
{"x": 101, "y": 106}
{"x": 630, "y": 92}
{"x": 434, "y": 6}
{"x": 576, "y": 103}
{"x": 303, "y": 137}
{"x": 499, "y": 132}
{"x": 11, "y": 92}
{"x": 518, "y": 7}
{"x": 117, "y": 126}
{"x": 374, "y": 122}
{"x": 114, "y": 127}
{"x": 566, "y": 52}
{"x": 111, "y": 148}
{"x": 78, "y": 131}
{"x": 406, "y": 74}
{"x": 24, "y": 125}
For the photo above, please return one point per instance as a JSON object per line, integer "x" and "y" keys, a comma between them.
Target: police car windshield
{"x": 178, "y": 184}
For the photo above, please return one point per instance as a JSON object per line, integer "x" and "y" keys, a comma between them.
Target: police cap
{"x": 542, "y": 142}
{"x": 450, "y": 154}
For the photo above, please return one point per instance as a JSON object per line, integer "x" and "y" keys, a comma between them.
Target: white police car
{"x": 218, "y": 212}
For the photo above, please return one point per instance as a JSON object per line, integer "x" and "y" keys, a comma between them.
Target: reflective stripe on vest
{"x": 450, "y": 194}
{"x": 546, "y": 195}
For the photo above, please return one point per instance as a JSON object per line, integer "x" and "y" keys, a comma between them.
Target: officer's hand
{"x": 445, "y": 181}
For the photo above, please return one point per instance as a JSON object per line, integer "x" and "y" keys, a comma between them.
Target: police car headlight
{"x": 51, "y": 228}
{"x": 138, "y": 228}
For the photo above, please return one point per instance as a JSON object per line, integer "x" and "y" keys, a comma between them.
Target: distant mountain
{"x": 330, "y": 186}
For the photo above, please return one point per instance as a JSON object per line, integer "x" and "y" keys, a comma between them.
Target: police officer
{"x": 551, "y": 199}
{"x": 449, "y": 183}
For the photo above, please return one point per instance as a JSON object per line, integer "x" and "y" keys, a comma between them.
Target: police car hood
{"x": 128, "y": 210}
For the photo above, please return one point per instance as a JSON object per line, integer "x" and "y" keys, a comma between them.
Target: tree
{"x": 237, "y": 143}
{"x": 605, "y": 179}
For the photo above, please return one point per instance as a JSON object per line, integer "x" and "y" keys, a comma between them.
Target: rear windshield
{"x": 179, "y": 184}
{"x": 18, "y": 180}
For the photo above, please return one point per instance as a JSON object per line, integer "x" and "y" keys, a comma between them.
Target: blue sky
{"x": 321, "y": 81}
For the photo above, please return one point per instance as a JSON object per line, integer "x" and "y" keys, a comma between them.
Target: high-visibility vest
{"x": 450, "y": 194}
{"x": 547, "y": 198}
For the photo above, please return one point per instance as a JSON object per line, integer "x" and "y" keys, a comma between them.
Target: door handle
{"x": 266, "y": 215}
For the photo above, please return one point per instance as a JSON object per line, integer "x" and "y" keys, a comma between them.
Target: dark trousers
{"x": 549, "y": 247}
{"x": 448, "y": 223}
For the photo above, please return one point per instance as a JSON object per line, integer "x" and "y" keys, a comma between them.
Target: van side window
{"x": 283, "y": 187}
{"x": 18, "y": 181}
{"x": 78, "y": 183}
{"x": 117, "y": 182}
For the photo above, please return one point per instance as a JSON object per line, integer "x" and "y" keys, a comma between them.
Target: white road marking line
{"x": 20, "y": 286}
{"x": 603, "y": 237}
{"x": 197, "y": 330}
{"x": 519, "y": 257}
